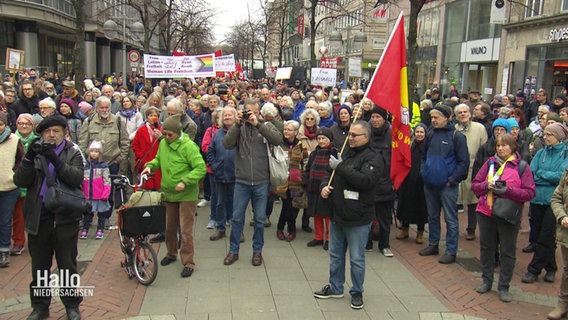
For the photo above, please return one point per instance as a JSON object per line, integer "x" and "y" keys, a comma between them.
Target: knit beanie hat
{"x": 500, "y": 122}
{"x": 172, "y": 124}
{"x": 68, "y": 102}
{"x": 504, "y": 112}
{"x": 346, "y": 107}
{"x": 543, "y": 108}
{"x": 96, "y": 145}
{"x": 4, "y": 118}
{"x": 444, "y": 110}
{"x": 558, "y": 130}
{"x": 85, "y": 107}
{"x": 324, "y": 131}
{"x": 382, "y": 112}
{"x": 27, "y": 117}
{"x": 513, "y": 123}
{"x": 555, "y": 119}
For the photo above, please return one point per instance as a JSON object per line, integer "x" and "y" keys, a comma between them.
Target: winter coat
{"x": 145, "y": 147}
{"x": 31, "y": 174}
{"x": 310, "y": 144}
{"x": 251, "y": 158}
{"x": 132, "y": 123}
{"x": 519, "y": 188}
{"x": 12, "y": 152}
{"x": 411, "y": 199}
{"x": 180, "y": 161}
{"x": 339, "y": 134}
{"x": 548, "y": 166}
{"x": 114, "y": 135}
{"x": 316, "y": 169}
{"x": 206, "y": 142}
{"x": 96, "y": 180}
{"x": 297, "y": 155}
{"x": 381, "y": 143}
{"x": 445, "y": 156}
{"x": 558, "y": 203}
{"x": 476, "y": 137}
{"x": 221, "y": 160}
{"x": 356, "y": 175}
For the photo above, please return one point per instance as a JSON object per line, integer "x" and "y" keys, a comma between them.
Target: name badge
{"x": 351, "y": 195}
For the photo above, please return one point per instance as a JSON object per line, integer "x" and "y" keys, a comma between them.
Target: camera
{"x": 246, "y": 114}
{"x": 40, "y": 146}
{"x": 500, "y": 184}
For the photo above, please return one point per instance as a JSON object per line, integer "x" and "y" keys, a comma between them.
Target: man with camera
{"x": 250, "y": 136}
{"x": 51, "y": 233}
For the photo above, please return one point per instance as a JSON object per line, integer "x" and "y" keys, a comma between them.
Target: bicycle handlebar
{"x": 122, "y": 179}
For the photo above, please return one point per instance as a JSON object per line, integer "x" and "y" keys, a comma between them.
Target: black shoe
{"x": 529, "y": 248}
{"x": 549, "y": 276}
{"x": 159, "y": 238}
{"x": 447, "y": 258}
{"x": 357, "y": 301}
{"x": 505, "y": 296}
{"x": 326, "y": 293}
{"x": 315, "y": 243}
{"x": 529, "y": 277}
{"x": 307, "y": 228}
{"x": 483, "y": 288}
{"x": 73, "y": 313}
{"x": 167, "y": 260}
{"x": 4, "y": 259}
{"x": 39, "y": 314}
{"x": 369, "y": 246}
{"x": 430, "y": 250}
{"x": 326, "y": 245}
{"x": 186, "y": 272}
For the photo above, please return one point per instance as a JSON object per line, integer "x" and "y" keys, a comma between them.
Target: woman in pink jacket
{"x": 502, "y": 176}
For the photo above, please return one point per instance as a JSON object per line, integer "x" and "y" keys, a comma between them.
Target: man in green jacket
{"x": 182, "y": 166}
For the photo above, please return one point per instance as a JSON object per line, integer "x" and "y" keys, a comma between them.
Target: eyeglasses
{"x": 24, "y": 124}
{"x": 310, "y": 119}
{"x": 355, "y": 135}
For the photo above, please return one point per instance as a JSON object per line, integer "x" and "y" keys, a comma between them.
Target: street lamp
{"x": 137, "y": 30}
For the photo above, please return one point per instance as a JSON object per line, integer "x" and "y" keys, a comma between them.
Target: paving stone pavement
{"x": 407, "y": 286}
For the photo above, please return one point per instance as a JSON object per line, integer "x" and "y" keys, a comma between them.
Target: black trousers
{"x": 383, "y": 212}
{"x": 60, "y": 240}
{"x": 288, "y": 215}
{"x": 544, "y": 224}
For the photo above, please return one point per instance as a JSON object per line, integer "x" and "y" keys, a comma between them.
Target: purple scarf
{"x": 51, "y": 169}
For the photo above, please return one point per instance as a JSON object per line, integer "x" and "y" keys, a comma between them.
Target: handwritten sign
{"x": 324, "y": 77}
{"x": 179, "y": 67}
{"x": 225, "y": 63}
{"x": 283, "y": 73}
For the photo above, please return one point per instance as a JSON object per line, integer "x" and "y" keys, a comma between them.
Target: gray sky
{"x": 229, "y": 12}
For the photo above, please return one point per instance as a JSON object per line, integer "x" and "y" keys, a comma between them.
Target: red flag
{"x": 218, "y": 53}
{"x": 388, "y": 89}
{"x": 178, "y": 53}
{"x": 239, "y": 71}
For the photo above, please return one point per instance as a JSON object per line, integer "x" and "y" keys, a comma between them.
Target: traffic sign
{"x": 134, "y": 56}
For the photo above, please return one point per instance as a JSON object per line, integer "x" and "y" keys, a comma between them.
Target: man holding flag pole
{"x": 352, "y": 192}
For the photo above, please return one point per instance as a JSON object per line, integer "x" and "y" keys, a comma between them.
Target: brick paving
{"x": 117, "y": 297}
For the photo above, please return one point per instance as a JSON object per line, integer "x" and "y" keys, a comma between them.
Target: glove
{"x": 334, "y": 162}
{"x": 31, "y": 154}
{"x": 50, "y": 155}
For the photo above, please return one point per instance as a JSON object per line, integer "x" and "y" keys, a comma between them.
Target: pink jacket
{"x": 519, "y": 188}
{"x": 96, "y": 181}
{"x": 206, "y": 142}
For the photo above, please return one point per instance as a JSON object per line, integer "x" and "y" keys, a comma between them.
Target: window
{"x": 564, "y": 5}
{"x": 534, "y": 8}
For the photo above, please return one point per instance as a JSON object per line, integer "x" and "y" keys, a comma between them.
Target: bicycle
{"x": 134, "y": 224}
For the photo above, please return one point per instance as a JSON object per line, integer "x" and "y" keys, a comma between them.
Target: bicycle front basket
{"x": 143, "y": 220}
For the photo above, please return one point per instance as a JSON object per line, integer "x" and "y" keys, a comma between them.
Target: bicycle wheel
{"x": 145, "y": 263}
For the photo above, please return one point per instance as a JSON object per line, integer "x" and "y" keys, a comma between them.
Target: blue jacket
{"x": 547, "y": 166}
{"x": 299, "y": 107}
{"x": 445, "y": 158}
{"x": 221, "y": 160}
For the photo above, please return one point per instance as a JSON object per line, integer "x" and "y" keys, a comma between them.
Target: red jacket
{"x": 141, "y": 144}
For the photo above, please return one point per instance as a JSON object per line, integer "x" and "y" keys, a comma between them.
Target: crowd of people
{"x": 208, "y": 143}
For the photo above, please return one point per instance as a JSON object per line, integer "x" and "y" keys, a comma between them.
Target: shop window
{"x": 564, "y": 5}
{"x": 534, "y": 8}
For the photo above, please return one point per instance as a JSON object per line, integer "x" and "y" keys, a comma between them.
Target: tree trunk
{"x": 415, "y": 7}
{"x": 79, "y": 48}
{"x": 313, "y": 61}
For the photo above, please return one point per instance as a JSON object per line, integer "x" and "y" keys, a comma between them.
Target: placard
{"x": 283, "y": 73}
{"x": 14, "y": 60}
{"x": 324, "y": 77}
{"x": 355, "y": 67}
{"x": 225, "y": 63}
{"x": 179, "y": 66}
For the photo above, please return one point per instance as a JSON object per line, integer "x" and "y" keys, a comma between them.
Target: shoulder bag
{"x": 507, "y": 209}
{"x": 62, "y": 199}
{"x": 278, "y": 165}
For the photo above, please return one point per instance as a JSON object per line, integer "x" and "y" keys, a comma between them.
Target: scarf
{"x": 128, "y": 113}
{"x": 318, "y": 168}
{"x": 51, "y": 169}
{"x": 493, "y": 176}
{"x": 5, "y": 134}
{"x": 26, "y": 140}
{"x": 310, "y": 133}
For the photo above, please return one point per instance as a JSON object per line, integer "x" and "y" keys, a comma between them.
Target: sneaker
{"x": 202, "y": 203}
{"x": 529, "y": 277}
{"x": 505, "y": 296}
{"x": 107, "y": 223}
{"x": 17, "y": 250}
{"x": 211, "y": 224}
{"x": 483, "y": 288}
{"x": 84, "y": 233}
{"x": 460, "y": 208}
{"x": 387, "y": 252}
{"x": 549, "y": 276}
{"x": 369, "y": 246}
{"x": 357, "y": 301}
{"x": 326, "y": 293}
{"x": 99, "y": 234}
{"x": 4, "y": 259}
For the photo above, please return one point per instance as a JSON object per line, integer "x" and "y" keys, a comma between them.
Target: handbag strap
{"x": 50, "y": 180}
{"x": 147, "y": 151}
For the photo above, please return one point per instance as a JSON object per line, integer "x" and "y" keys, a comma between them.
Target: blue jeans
{"x": 213, "y": 198}
{"x": 224, "y": 211}
{"x": 258, "y": 195}
{"x": 436, "y": 199}
{"x": 7, "y": 202}
{"x": 339, "y": 239}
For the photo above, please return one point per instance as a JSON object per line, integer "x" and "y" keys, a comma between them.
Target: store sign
{"x": 329, "y": 62}
{"x": 480, "y": 50}
{"x": 558, "y": 34}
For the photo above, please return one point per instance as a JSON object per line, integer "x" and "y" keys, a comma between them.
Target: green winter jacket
{"x": 180, "y": 161}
